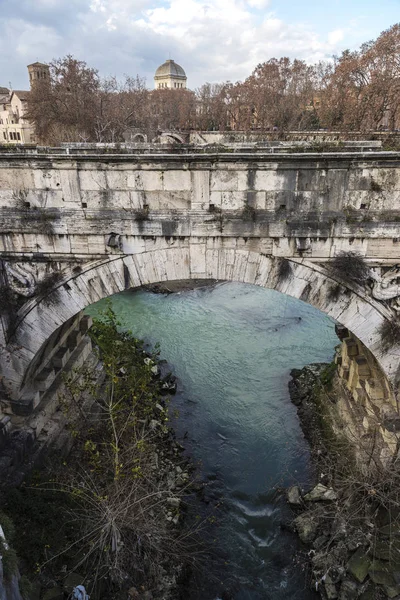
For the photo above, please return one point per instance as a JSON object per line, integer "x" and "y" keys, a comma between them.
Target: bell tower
{"x": 38, "y": 72}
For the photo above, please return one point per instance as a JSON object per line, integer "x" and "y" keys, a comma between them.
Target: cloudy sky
{"x": 214, "y": 40}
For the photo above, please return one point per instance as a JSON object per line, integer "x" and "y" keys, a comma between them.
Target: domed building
{"x": 170, "y": 75}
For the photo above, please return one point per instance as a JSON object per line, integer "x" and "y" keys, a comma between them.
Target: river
{"x": 232, "y": 348}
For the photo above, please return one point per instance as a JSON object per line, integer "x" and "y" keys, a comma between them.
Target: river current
{"x": 232, "y": 347}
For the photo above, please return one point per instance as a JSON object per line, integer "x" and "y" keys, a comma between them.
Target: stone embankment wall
{"x": 367, "y": 411}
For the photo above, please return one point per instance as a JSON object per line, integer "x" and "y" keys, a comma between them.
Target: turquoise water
{"x": 232, "y": 348}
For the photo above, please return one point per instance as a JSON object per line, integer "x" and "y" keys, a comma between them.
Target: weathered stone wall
{"x": 75, "y": 229}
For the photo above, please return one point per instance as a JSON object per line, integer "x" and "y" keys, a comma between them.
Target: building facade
{"x": 14, "y": 126}
{"x": 171, "y": 76}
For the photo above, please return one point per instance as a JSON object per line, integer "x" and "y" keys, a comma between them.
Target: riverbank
{"x": 350, "y": 519}
{"x": 110, "y": 513}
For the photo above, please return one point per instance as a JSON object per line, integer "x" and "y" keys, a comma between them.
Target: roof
{"x": 170, "y": 68}
{"x": 4, "y": 90}
{"x": 22, "y": 94}
{"x": 38, "y": 64}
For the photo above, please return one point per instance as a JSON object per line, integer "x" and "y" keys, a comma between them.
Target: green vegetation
{"x": 111, "y": 510}
{"x": 8, "y": 554}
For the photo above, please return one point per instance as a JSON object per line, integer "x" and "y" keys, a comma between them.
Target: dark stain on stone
{"x": 284, "y": 269}
{"x": 127, "y": 277}
{"x": 251, "y": 179}
{"x": 168, "y": 228}
{"x": 306, "y": 292}
{"x": 251, "y": 199}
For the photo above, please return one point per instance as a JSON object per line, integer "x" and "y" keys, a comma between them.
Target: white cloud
{"x": 259, "y": 4}
{"x": 214, "y": 40}
{"x": 334, "y": 37}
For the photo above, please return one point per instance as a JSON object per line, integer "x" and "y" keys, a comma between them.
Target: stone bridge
{"x": 76, "y": 229}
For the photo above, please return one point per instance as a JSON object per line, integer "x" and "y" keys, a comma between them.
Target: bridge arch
{"x": 175, "y": 137}
{"x": 299, "y": 278}
{"x": 139, "y": 138}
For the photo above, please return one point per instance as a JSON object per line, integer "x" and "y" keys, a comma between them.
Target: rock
{"x": 294, "y": 495}
{"x": 381, "y": 573}
{"x": 392, "y": 591}
{"x": 321, "y": 493}
{"x": 348, "y": 590}
{"x": 306, "y": 526}
{"x": 320, "y": 542}
{"x": 359, "y": 565}
{"x": 72, "y": 581}
{"x": 384, "y": 550}
{"x": 330, "y": 588}
{"x": 370, "y": 592}
{"x": 337, "y": 574}
{"x": 54, "y": 594}
{"x": 174, "y": 502}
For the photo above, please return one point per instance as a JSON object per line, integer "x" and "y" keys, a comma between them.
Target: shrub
{"x": 48, "y": 283}
{"x": 25, "y": 587}
{"x": 351, "y": 267}
{"x": 390, "y": 334}
{"x": 7, "y": 526}
{"x": 9, "y": 559}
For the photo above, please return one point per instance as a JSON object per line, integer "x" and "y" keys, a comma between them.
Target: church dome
{"x": 170, "y": 69}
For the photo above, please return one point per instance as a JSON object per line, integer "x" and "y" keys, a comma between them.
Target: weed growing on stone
{"x": 350, "y": 267}
{"x": 47, "y": 284}
{"x": 390, "y": 334}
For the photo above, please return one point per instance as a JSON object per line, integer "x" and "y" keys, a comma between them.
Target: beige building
{"x": 170, "y": 75}
{"x": 14, "y": 127}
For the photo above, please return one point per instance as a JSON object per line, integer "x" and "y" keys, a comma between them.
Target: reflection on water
{"x": 232, "y": 348}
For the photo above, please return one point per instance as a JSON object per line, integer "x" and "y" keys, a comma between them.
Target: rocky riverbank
{"x": 110, "y": 514}
{"x": 350, "y": 519}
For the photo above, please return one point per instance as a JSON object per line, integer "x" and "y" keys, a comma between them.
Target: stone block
{"x": 26, "y": 403}
{"x": 44, "y": 380}
{"x": 60, "y": 358}
{"x": 73, "y": 339}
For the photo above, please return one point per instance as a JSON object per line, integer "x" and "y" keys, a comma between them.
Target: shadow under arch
{"x": 299, "y": 278}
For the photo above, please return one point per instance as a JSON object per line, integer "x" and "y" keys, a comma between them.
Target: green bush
{"x": 25, "y": 587}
